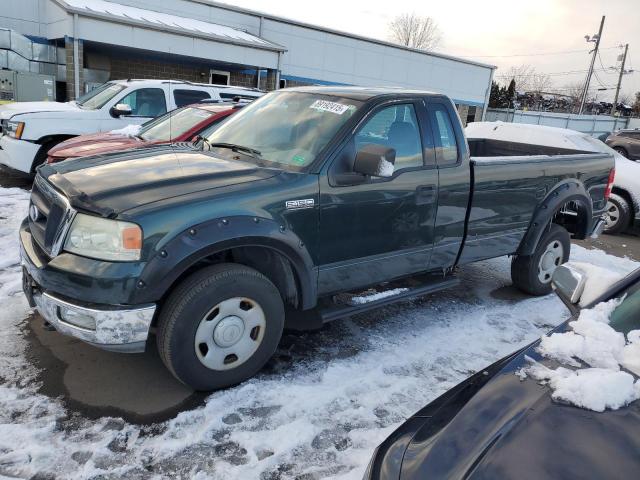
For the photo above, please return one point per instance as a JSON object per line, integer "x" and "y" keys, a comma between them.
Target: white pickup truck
{"x": 28, "y": 130}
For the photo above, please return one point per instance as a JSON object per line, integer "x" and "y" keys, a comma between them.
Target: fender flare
{"x": 175, "y": 257}
{"x": 565, "y": 191}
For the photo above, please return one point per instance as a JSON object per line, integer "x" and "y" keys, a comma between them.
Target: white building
{"x": 206, "y": 41}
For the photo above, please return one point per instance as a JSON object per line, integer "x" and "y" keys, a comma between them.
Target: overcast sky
{"x": 493, "y": 31}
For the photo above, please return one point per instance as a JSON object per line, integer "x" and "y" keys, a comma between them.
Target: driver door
{"x": 381, "y": 228}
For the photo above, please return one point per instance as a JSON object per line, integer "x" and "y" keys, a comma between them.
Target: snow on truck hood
{"x": 10, "y": 109}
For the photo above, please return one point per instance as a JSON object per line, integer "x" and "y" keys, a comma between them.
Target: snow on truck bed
{"x": 320, "y": 415}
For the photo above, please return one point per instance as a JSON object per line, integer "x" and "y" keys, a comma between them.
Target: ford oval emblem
{"x": 34, "y": 213}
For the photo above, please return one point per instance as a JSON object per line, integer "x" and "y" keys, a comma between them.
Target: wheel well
{"x": 271, "y": 263}
{"x": 624, "y": 194}
{"x": 46, "y": 144}
{"x": 574, "y": 217}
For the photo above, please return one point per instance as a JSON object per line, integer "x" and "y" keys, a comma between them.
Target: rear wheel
{"x": 618, "y": 214}
{"x": 220, "y": 326}
{"x": 532, "y": 273}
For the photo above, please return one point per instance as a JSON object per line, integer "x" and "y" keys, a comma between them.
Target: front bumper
{"x": 122, "y": 328}
{"x": 18, "y": 154}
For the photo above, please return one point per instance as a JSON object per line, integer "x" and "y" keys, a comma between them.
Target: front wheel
{"x": 220, "y": 326}
{"x": 532, "y": 273}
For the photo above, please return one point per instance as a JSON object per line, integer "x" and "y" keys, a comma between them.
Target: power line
{"x": 540, "y": 54}
{"x": 569, "y": 72}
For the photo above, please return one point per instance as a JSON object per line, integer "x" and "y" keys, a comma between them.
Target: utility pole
{"x": 596, "y": 38}
{"x": 615, "y": 100}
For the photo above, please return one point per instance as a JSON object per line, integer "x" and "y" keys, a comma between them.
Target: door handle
{"x": 425, "y": 194}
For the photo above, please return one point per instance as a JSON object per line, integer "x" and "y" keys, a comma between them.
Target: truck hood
{"x": 111, "y": 184}
{"x": 94, "y": 144}
{"x": 513, "y": 429}
{"x": 10, "y": 109}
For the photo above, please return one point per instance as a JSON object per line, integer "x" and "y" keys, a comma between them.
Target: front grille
{"x": 51, "y": 218}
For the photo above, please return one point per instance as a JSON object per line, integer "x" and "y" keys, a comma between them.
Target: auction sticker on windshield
{"x": 327, "y": 106}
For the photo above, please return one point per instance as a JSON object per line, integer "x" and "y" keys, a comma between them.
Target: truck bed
{"x": 510, "y": 180}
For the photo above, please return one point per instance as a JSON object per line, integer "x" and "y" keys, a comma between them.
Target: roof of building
{"x": 165, "y": 22}
{"x": 289, "y": 21}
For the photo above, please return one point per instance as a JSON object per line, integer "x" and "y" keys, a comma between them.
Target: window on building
{"x": 186, "y": 97}
{"x": 218, "y": 77}
{"x": 471, "y": 114}
{"x": 395, "y": 127}
{"x": 146, "y": 102}
{"x": 445, "y": 138}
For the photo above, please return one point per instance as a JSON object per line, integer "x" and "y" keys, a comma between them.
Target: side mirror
{"x": 119, "y": 110}
{"x": 568, "y": 282}
{"x": 375, "y": 160}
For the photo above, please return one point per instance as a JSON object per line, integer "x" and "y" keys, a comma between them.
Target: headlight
{"x": 104, "y": 239}
{"x": 15, "y": 129}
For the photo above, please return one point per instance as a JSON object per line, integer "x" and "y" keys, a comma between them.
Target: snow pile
{"x": 128, "y": 131}
{"x": 591, "y": 341}
{"x": 362, "y": 299}
{"x": 591, "y": 388}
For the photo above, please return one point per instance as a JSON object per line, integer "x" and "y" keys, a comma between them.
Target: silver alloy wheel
{"x": 612, "y": 216}
{"x": 549, "y": 261}
{"x": 230, "y": 333}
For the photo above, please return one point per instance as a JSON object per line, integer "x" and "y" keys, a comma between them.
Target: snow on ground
{"x": 318, "y": 409}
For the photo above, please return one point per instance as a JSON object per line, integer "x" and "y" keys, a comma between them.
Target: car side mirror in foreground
{"x": 568, "y": 282}
{"x": 375, "y": 160}
{"x": 121, "y": 109}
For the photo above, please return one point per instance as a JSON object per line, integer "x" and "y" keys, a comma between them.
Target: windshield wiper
{"x": 236, "y": 148}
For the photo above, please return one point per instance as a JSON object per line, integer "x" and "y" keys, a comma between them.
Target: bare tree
{"x": 625, "y": 98}
{"x": 573, "y": 90}
{"x": 415, "y": 31}
{"x": 527, "y": 79}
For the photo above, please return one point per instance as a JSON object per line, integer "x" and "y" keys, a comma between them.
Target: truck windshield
{"x": 287, "y": 128}
{"x": 173, "y": 124}
{"x": 97, "y": 97}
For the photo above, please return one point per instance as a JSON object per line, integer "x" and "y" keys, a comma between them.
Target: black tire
{"x": 41, "y": 156}
{"x": 525, "y": 270}
{"x": 190, "y": 303}
{"x": 618, "y": 214}
{"x": 622, "y": 151}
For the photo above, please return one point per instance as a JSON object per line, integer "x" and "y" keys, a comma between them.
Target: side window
{"x": 446, "y": 147}
{"x": 187, "y": 97}
{"x": 395, "y": 127}
{"x": 146, "y": 102}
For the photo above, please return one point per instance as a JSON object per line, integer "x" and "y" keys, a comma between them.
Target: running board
{"x": 335, "y": 312}
{"x": 344, "y": 305}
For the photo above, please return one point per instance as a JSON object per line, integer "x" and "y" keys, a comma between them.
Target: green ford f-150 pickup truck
{"x": 298, "y": 200}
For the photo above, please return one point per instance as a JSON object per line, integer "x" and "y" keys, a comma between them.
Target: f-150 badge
{"x": 304, "y": 203}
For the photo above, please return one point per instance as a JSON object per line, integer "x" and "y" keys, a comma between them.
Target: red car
{"x": 179, "y": 125}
